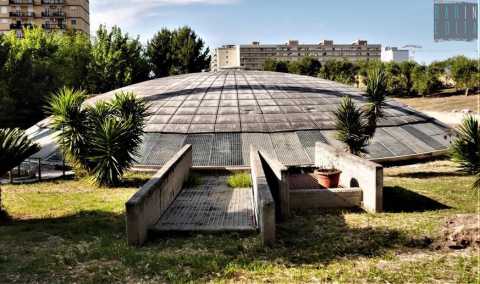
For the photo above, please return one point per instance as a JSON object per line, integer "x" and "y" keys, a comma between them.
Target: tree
{"x": 376, "y": 96}
{"x": 465, "y": 73}
{"x": 406, "y": 72}
{"x": 276, "y": 66}
{"x": 352, "y": 126}
{"x": 160, "y": 53}
{"x": 306, "y": 66}
{"x": 117, "y": 61}
{"x": 75, "y": 53}
{"x": 31, "y": 69}
{"x": 179, "y": 51}
{"x": 465, "y": 148}
{"x": 190, "y": 52}
{"x": 15, "y": 146}
{"x": 342, "y": 71}
{"x": 101, "y": 139}
{"x": 424, "y": 80}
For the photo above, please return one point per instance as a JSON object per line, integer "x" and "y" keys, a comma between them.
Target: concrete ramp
{"x": 209, "y": 207}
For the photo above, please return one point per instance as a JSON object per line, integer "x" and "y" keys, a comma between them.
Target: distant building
{"x": 253, "y": 56}
{"x": 51, "y": 15}
{"x": 393, "y": 54}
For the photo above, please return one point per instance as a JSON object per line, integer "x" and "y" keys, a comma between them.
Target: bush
{"x": 240, "y": 180}
{"x": 102, "y": 139}
{"x": 465, "y": 148}
{"x": 15, "y": 146}
{"x": 352, "y": 127}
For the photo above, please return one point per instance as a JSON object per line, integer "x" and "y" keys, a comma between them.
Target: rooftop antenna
{"x": 413, "y": 49}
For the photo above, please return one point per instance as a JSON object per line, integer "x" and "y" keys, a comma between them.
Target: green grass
{"x": 240, "y": 180}
{"x": 70, "y": 231}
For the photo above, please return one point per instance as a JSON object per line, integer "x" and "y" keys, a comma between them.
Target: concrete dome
{"x": 221, "y": 114}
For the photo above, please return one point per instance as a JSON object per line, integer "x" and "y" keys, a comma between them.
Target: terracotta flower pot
{"x": 328, "y": 178}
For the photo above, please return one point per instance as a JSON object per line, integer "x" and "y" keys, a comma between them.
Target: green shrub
{"x": 240, "y": 180}
{"x": 352, "y": 127}
{"x": 102, "y": 139}
{"x": 465, "y": 148}
{"x": 15, "y": 146}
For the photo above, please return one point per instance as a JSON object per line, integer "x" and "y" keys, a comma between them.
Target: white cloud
{"x": 126, "y": 13}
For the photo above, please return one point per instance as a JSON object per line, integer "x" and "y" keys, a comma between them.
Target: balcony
{"x": 22, "y": 14}
{"x": 20, "y": 26}
{"x": 53, "y": 2}
{"x": 54, "y": 26}
{"x": 50, "y": 14}
{"x": 21, "y": 2}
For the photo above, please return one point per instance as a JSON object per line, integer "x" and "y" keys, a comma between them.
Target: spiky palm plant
{"x": 465, "y": 148}
{"x": 103, "y": 138}
{"x": 15, "y": 146}
{"x": 376, "y": 96}
{"x": 69, "y": 119}
{"x": 352, "y": 127}
{"x": 117, "y": 130}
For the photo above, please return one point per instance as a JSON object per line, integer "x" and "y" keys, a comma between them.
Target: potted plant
{"x": 328, "y": 177}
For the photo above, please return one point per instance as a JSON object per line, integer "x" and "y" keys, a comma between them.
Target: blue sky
{"x": 218, "y": 22}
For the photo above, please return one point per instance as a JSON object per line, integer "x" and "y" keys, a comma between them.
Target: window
{"x": 4, "y": 10}
{"x": 74, "y": 22}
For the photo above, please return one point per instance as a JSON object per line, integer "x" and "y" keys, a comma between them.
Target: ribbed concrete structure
{"x": 221, "y": 114}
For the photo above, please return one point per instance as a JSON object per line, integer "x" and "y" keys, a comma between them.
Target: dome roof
{"x": 222, "y": 113}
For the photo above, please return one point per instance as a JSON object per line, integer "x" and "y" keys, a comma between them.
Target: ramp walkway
{"x": 166, "y": 204}
{"x": 211, "y": 206}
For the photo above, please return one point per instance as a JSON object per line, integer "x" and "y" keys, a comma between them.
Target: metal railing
{"x": 53, "y": 2}
{"x": 20, "y": 26}
{"x": 22, "y": 14}
{"x": 53, "y": 14}
{"x": 34, "y": 170}
{"x": 21, "y": 2}
{"x": 54, "y": 26}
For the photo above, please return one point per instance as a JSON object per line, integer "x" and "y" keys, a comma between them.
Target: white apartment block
{"x": 393, "y": 54}
{"x": 253, "y": 56}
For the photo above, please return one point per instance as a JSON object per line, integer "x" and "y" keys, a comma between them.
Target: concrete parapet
{"x": 356, "y": 172}
{"x": 149, "y": 203}
{"x": 325, "y": 198}
{"x": 264, "y": 203}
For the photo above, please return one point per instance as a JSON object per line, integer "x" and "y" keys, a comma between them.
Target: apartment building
{"x": 253, "y": 56}
{"x": 52, "y": 15}
{"x": 393, "y": 54}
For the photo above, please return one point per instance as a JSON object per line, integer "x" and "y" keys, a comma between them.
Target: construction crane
{"x": 413, "y": 49}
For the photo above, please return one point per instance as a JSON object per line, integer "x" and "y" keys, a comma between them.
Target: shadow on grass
{"x": 82, "y": 226}
{"x": 314, "y": 237}
{"x": 398, "y": 199}
{"x": 426, "y": 175}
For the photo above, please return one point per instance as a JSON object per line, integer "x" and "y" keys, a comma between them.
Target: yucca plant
{"x": 376, "y": 96}
{"x": 465, "y": 148}
{"x": 102, "y": 138}
{"x": 69, "y": 118}
{"x": 352, "y": 126}
{"x": 15, "y": 146}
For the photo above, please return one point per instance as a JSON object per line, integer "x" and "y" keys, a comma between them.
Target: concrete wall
{"x": 277, "y": 177}
{"x": 150, "y": 202}
{"x": 264, "y": 203}
{"x": 325, "y": 198}
{"x": 356, "y": 172}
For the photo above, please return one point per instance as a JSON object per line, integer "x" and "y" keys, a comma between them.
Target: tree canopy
{"x": 175, "y": 52}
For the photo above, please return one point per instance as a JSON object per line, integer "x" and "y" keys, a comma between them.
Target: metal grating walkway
{"x": 212, "y": 206}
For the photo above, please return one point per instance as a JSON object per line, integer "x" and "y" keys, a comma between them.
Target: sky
{"x": 218, "y": 22}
